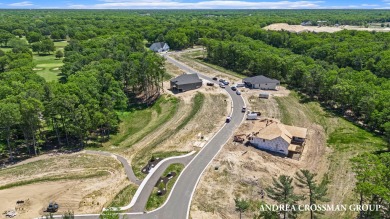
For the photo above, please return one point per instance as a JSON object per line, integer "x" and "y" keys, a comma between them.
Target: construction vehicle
{"x": 239, "y": 138}
{"x": 53, "y": 207}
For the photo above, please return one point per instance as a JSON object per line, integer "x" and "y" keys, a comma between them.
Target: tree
{"x": 282, "y": 191}
{"x": 316, "y": 192}
{"x": 59, "y": 54}
{"x": 5, "y": 36}
{"x": 45, "y": 46}
{"x": 33, "y": 37}
{"x": 18, "y": 32}
{"x": 9, "y": 117}
{"x": 386, "y": 127}
{"x": 373, "y": 182}
{"x": 18, "y": 45}
{"x": 241, "y": 205}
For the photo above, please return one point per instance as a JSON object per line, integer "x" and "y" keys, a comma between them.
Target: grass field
{"x": 197, "y": 57}
{"x": 124, "y": 197}
{"x": 156, "y": 201}
{"x": 48, "y": 66}
{"x": 344, "y": 138}
{"x": 137, "y": 124}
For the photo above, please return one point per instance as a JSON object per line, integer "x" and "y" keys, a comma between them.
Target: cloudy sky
{"x": 196, "y": 4}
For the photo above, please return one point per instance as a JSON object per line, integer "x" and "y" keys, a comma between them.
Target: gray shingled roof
{"x": 259, "y": 80}
{"x": 186, "y": 79}
{"x": 157, "y": 46}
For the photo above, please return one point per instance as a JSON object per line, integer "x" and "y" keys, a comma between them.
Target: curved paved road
{"x": 179, "y": 200}
{"x": 128, "y": 170}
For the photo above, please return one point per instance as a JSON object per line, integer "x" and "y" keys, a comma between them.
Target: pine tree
{"x": 241, "y": 205}
{"x": 317, "y": 192}
{"x": 282, "y": 191}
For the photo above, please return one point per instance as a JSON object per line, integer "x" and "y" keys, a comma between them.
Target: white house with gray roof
{"x": 261, "y": 82}
{"x": 159, "y": 47}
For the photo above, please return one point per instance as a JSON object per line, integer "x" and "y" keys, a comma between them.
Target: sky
{"x": 195, "y": 4}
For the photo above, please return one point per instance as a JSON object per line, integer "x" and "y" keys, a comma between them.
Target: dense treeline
{"x": 348, "y": 70}
{"x": 360, "y": 92}
{"x": 360, "y": 50}
{"x": 99, "y": 77}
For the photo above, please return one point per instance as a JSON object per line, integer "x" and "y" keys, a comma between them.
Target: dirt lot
{"x": 86, "y": 195}
{"x": 300, "y": 28}
{"x": 244, "y": 171}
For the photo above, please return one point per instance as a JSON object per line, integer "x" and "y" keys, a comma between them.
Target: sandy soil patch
{"x": 244, "y": 171}
{"x": 81, "y": 196}
{"x": 317, "y": 29}
{"x": 204, "y": 125}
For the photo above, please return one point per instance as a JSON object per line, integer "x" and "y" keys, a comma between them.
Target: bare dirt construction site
{"x": 243, "y": 171}
{"x": 79, "y": 182}
{"x": 329, "y": 29}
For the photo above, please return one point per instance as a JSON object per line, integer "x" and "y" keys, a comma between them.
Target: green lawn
{"x": 60, "y": 44}
{"x": 155, "y": 200}
{"x": 47, "y": 66}
{"x": 137, "y": 124}
{"x": 124, "y": 197}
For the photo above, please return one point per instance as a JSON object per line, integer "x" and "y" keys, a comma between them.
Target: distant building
{"x": 261, "y": 82}
{"x": 306, "y": 23}
{"x": 186, "y": 82}
{"x": 159, "y": 47}
{"x": 279, "y": 138}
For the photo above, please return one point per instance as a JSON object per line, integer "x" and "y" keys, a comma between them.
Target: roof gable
{"x": 186, "y": 79}
{"x": 157, "y": 46}
{"x": 286, "y": 132}
{"x": 260, "y": 79}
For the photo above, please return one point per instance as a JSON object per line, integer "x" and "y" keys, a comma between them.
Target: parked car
{"x": 221, "y": 85}
{"x": 238, "y": 92}
{"x": 210, "y": 84}
{"x": 53, "y": 207}
{"x": 221, "y": 80}
{"x": 243, "y": 109}
{"x": 215, "y": 78}
{"x": 226, "y": 82}
{"x": 234, "y": 88}
{"x": 228, "y": 119}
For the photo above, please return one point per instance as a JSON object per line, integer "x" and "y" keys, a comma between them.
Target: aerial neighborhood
{"x": 194, "y": 110}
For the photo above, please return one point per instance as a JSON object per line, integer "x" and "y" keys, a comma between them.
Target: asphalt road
{"x": 179, "y": 201}
{"x": 128, "y": 170}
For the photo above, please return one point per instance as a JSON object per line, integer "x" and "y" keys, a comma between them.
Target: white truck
{"x": 251, "y": 116}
